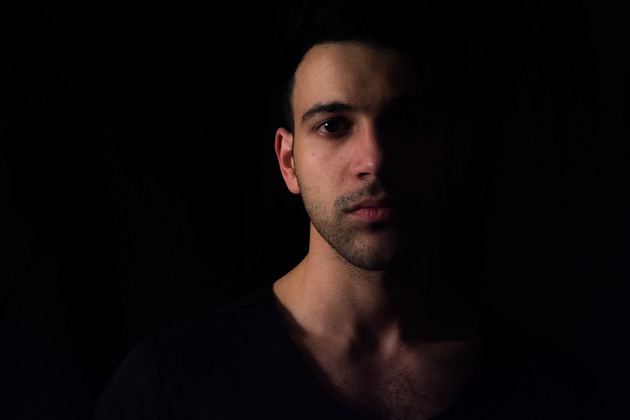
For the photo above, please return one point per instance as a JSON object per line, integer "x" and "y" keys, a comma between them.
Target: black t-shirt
{"x": 240, "y": 363}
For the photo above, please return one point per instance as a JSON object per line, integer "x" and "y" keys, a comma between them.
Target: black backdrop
{"x": 139, "y": 186}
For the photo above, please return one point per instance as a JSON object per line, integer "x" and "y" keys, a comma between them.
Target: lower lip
{"x": 373, "y": 214}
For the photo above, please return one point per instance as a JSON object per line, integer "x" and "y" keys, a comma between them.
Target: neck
{"x": 326, "y": 296}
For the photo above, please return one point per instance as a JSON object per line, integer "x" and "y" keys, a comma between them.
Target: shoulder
{"x": 222, "y": 341}
{"x": 197, "y": 362}
{"x": 236, "y": 320}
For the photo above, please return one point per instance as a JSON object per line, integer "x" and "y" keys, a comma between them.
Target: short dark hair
{"x": 424, "y": 36}
{"x": 437, "y": 40}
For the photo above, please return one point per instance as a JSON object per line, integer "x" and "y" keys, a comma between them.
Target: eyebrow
{"x": 408, "y": 101}
{"x": 326, "y": 108}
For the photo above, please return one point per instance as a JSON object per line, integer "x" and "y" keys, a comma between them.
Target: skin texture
{"x": 371, "y": 151}
{"x": 363, "y": 305}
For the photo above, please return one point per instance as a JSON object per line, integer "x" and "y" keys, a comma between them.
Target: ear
{"x": 284, "y": 153}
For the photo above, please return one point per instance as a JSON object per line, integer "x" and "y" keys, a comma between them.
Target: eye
{"x": 409, "y": 124}
{"x": 334, "y": 127}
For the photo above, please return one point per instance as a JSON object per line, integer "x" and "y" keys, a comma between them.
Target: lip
{"x": 372, "y": 211}
{"x": 366, "y": 204}
{"x": 373, "y": 214}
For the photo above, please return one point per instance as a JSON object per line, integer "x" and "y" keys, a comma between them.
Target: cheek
{"x": 320, "y": 168}
{"x": 322, "y": 171}
{"x": 423, "y": 171}
{"x": 318, "y": 186}
{"x": 428, "y": 159}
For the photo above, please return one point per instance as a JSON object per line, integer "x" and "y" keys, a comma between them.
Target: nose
{"x": 367, "y": 156}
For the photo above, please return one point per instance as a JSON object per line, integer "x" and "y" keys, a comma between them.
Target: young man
{"x": 369, "y": 324}
{"x": 370, "y": 178}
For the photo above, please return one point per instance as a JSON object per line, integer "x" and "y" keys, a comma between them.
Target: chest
{"x": 399, "y": 389}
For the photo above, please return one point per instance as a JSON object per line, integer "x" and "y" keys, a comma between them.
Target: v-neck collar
{"x": 336, "y": 404}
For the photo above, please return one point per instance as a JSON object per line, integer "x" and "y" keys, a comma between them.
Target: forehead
{"x": 356, "y": 73}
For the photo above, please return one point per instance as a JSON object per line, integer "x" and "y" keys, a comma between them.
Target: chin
{"x": 377, "y": 257}
{"x": 374, "y": 248}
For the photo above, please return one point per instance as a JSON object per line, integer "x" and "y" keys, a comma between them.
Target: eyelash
{"x": 343, "y": 121}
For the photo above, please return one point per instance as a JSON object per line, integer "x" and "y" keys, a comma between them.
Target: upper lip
{"x": 381, "y": 203}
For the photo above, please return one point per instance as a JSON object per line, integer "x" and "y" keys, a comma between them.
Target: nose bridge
{"x": 368, "y": 150}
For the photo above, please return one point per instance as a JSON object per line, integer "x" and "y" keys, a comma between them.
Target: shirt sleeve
{"x": 135, "y": 390}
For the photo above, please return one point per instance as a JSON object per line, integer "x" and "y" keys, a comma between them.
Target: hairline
{"x": 290, "y": 84}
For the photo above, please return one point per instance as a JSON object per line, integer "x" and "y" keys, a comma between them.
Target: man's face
{"x": 370, "y": 161}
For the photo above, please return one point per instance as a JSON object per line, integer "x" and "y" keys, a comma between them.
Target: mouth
{"x": 373, "y": 211}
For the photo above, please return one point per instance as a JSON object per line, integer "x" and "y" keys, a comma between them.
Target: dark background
{"x": 139, "y": 188}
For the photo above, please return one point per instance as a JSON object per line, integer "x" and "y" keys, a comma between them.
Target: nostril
{"x": 368, "y": 176}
